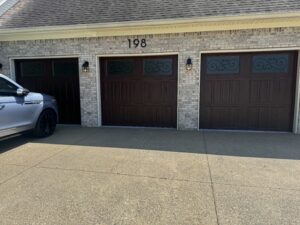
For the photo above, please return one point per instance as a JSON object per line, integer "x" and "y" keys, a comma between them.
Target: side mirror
{"x": 22, "y": 92}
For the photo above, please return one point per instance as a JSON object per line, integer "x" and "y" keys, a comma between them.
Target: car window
{"x": 7, "y": 88}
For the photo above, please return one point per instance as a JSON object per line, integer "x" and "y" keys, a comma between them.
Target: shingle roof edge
{"x": 6, "y": 5}
{"x": 253, "y": 21}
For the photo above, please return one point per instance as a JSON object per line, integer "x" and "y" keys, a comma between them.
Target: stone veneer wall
{"x": 186, "y": 45}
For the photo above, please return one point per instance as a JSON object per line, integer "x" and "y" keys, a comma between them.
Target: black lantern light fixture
{"x": 189, "y": 64}
{"x": 1, "y": 66}
{"x": 85, "y": 67}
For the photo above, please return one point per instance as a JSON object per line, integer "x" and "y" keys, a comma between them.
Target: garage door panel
{"x": 130, "y": 115}
{"x": 260, "y": 95}
{"x": 122, "y": 92}
{"x": 222, "y": 118}
{"x": 157, "y": 92}
{"x": 226, "y": 92}
{"x": 169, "y": 93}
{"x": 146, "y": 97}
{"x": 221, "y": 92}
{"x": 66, "y": 92}
{"x": 281, "y": 92}
{"x": 152, "y": 92}
{"x": 274, "y": 92}
{"x": 159, "y": 116}
{"x": 205, "y": 117}
{"x": 207, "y": 88}
{"x": 260, "y": 91}
{"x": 123, "y": 116}
{"x": 265, "y": 118}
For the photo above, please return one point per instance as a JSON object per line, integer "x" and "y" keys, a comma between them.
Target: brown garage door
{"x": 56, "y": 77}
{"x": 139, "y": 91}
{"x": 250, "y": 91}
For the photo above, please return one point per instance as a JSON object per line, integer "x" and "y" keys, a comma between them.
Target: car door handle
{"x": 2, "y": 107}
{"x": 34, "y": 102}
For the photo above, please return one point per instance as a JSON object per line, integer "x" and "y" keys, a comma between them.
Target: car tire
{"x": 46, "y": 124}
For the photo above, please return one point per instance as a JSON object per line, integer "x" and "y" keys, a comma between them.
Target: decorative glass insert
{"x": 270, "y": 63}
{"x": 223, "y": 65}
{"x": 32, "y": 69}
{"x": 120, "y": 67}
{"x": 163, "y": 67}
{"x": 64, "y": 68}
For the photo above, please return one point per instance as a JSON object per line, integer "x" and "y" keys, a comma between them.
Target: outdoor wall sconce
{"x": 85, "y": 67}
{"x": 189, "y": 64}
{"x": 0, "y": 66}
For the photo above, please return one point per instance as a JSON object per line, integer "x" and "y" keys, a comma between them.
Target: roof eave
{"x": 219, "y": 23}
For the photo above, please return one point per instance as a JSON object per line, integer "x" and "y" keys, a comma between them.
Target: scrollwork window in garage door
{"x": 270, "y": 63}
{"x": 158, "y": 67}
{"x": 120, "y": 67}
{"x": 32, "y": 69}
{"x": 64, "y": 68}
{"x": 223, "y": 65}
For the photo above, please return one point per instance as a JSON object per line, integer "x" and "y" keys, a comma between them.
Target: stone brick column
{"x": 88, "y": 92}
{"x": 188, "y": 91}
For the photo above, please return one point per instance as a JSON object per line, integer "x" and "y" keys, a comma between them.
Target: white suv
{"x": 21, "y": 110}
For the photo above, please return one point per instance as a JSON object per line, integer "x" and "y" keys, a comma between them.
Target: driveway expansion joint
{"x": 258, "y": 187}
{"x": 210, "y": 176}
{"x": 12, "y": 164}
{"x": 30, "y": 167}
{"x": 123, "y": 174}
{"x": 35, "y": 165}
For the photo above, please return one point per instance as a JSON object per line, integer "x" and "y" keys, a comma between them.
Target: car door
{"x": 15, "y": 113}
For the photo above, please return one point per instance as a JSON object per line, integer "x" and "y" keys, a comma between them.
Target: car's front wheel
{"x": 46, "y": 124}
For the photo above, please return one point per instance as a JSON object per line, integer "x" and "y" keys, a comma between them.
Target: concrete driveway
{"x": 89, "y": 176}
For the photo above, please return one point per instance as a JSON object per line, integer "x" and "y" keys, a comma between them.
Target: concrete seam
{"x": 35, "y": 165}
{"x": 261, "y": 187}
{"x": 124, "y": 174}
{"x": 210, "y": 176}
{"x": 153, "y": 177}
{"x": 10, "y": 178}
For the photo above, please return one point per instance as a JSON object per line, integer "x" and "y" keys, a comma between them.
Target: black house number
{"x": 137, "y": 43}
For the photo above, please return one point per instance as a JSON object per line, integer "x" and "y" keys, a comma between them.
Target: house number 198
{"x": 137, "y": 43}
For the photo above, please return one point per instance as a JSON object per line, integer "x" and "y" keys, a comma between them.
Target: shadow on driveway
{"x": 12, "y": 142}
{"x": 245, "y": 144}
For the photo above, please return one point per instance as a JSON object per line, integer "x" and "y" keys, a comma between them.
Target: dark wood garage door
{"x": 139, "y": 91}
{"x": 250, "y": 91}
{"x": 56, "y": 77}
